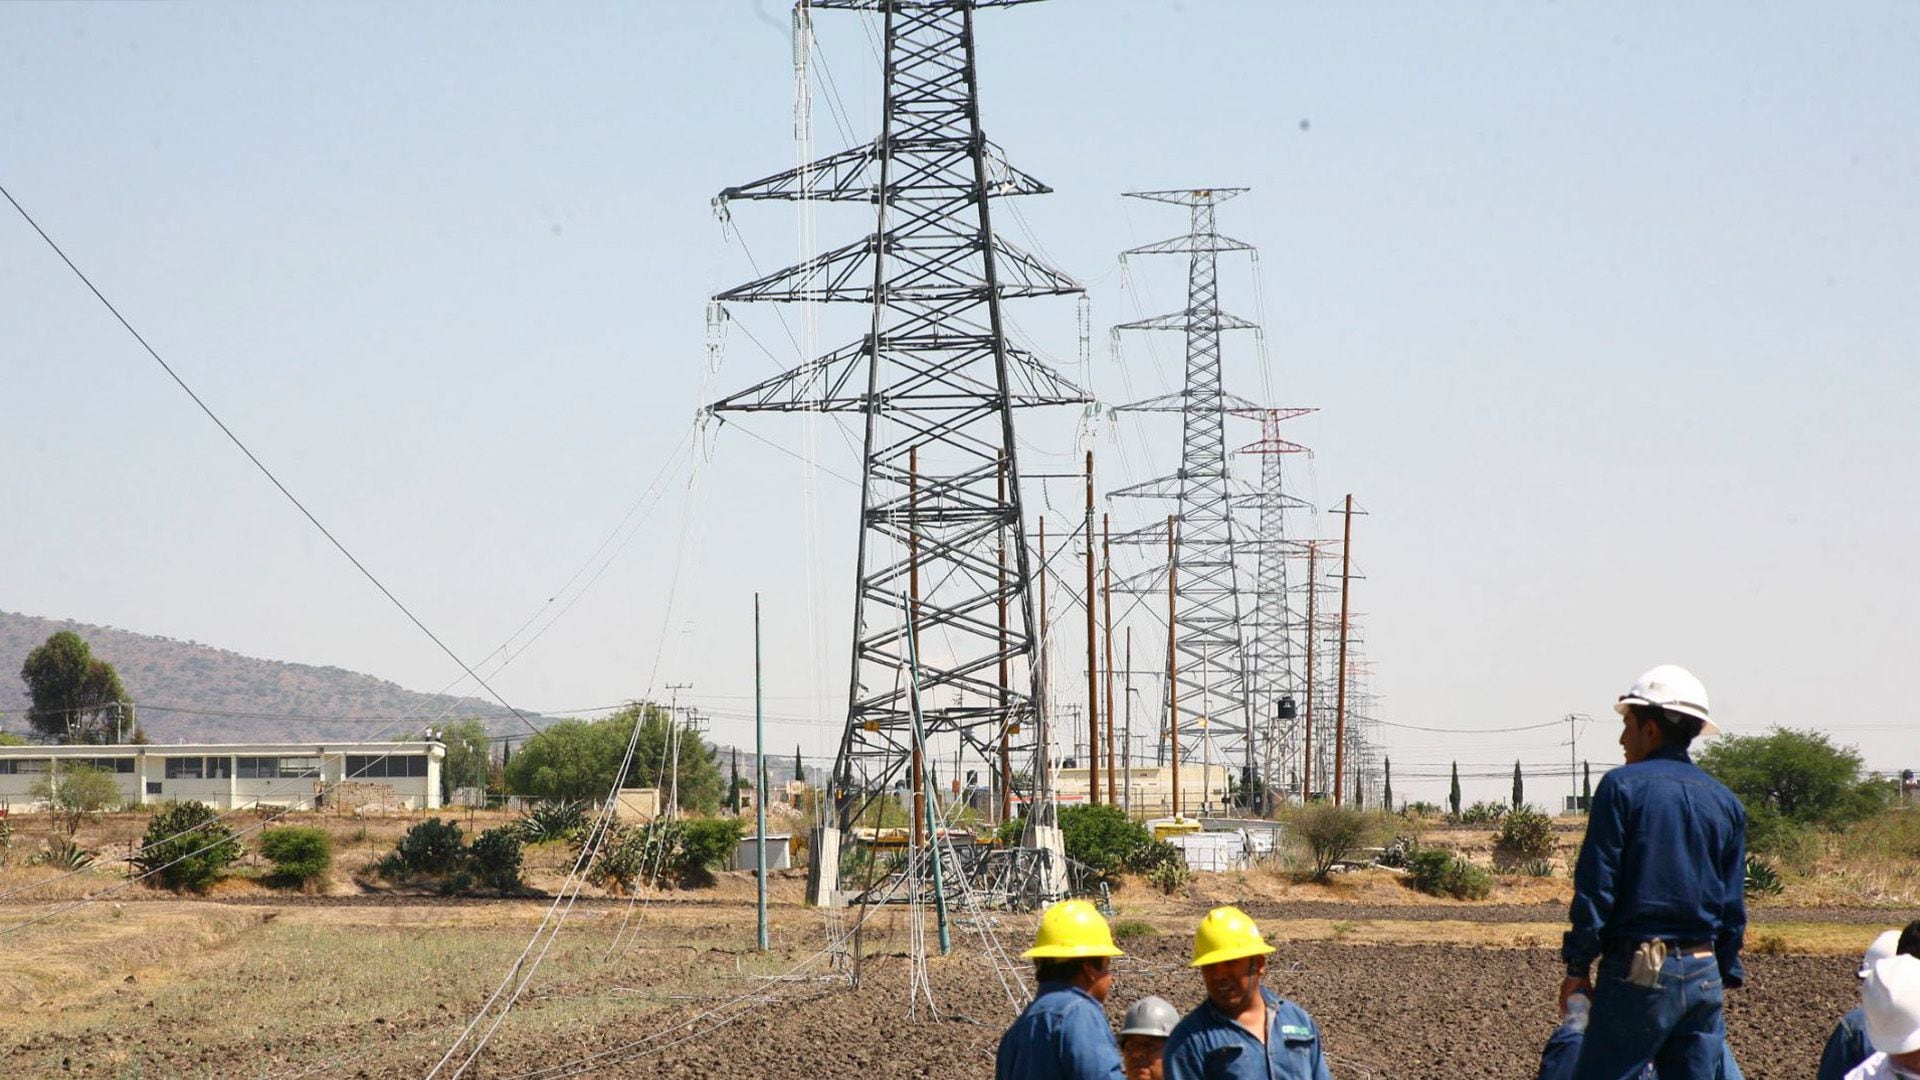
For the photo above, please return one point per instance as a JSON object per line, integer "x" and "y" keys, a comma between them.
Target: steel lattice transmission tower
{"x": 935, "y": 382}
{"x": 1276, "y": 685}
{"x": 1208, "y": 644}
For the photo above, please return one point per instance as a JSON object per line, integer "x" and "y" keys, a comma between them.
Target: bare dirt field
{"x": 378, "y": 987}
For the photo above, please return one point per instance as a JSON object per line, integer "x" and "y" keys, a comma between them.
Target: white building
{"x": 402, "y": 775}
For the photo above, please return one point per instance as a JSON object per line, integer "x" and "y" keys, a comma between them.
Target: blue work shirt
{"x": 1209, "y": 1045}
{"x": 1665, "y": 857}
{"x": 1062, "y": 1035}
{"x": 1846, "y": 1048}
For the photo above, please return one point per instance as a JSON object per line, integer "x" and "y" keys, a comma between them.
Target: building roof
{"x": 306, "y": 749}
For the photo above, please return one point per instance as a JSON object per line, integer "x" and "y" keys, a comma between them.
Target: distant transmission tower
{"x": 1277, "y": 684}
{"x": 1209, "y": 685}
{"x": 935, "y": 381}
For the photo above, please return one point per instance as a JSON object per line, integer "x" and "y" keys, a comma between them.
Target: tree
{"x": 1453, "y": 796}
{"x": 468, "y": 746}
{"x": 1331, "y": 833}
{"x": 1519, "y": 791}
{"x": 186, "y": 847}
{"x": 799, "y": 770}
{"x": 578, "y": 760}
{"x": 75, "y": 793}
{"x": 733, "y": 785}
{"x": 76, "y": 698}
{"x": 1798, "y": 776}
{"x": 1586, "y": 783}
{"x": 1386, "y": 794}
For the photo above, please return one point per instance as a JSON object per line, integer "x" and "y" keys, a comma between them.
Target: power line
{"x": 258, "y": 464}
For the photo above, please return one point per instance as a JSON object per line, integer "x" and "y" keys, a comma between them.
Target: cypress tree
{"x": 1386, "y": 794}
{"x": 1586, "y": 783}
{"x": 1518, "y": 798}
{"x": 1453, "y": 796}
{"x": 733, "y": 786}
{"x": 799, "y": 770}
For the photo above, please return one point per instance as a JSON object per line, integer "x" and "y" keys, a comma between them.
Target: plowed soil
{"x": 299, "y": 993}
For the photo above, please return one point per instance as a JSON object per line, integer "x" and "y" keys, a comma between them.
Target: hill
{"x": 189, "y": 692}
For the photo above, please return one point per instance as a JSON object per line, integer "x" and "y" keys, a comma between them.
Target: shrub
{"x": 186, "y": 847}
{"x": 495, "y": 858}
{"x": 1132, "y": 929}
{"x": 1439, "y": 872}
{"x": 432, "y": 847}
{"x": 1537, "y": 868}
{"x": 546, "y": 822}
{"x": 1102, "y": 838}
{"x": 1169, "y": 877}
{"x": 1526, "y": 835}
{"x": 1331, "y": 833}
{"x": 1153, "y": 855}
{"x": 1483, "y": 813}
{"x": 301, "y": 855}
{"x": 622, "y": 854}
{"x": 1009, "y": 831}
{"x": 706, "y": 845}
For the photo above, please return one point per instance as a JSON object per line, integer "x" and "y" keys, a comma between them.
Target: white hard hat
{"x": 1892, "y": 1000}
{"x": 1674, "y": 689}
{"x": 1153, "y": 1016}
{"x": 1885, "y": 945}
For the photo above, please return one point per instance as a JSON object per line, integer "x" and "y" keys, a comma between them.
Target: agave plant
{"x": 64, "y": 854}
{"x": 1762, "y": 877}
{"x": 548, "y": 821}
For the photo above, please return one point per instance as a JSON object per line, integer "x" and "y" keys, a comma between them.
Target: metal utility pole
{"x": 934, "y": 371}
{"x": 1209, "y": 633}
{"x": 1340, "y": 691}
{"x": 1106, "y": 635}
{"x": 918, "y": 770}
{"x": 1000, "y": 604}
{"x": 759, "y": 779}
{"x": 1093, "y": 657}
{"x": 672, "y": 763}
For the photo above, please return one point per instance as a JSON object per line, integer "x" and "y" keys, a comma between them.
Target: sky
{"x": 1607, "y": 310}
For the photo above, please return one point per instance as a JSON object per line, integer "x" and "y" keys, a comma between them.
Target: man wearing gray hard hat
{"x": 1143, "y": 1037}
{"x": 1659, "y": 895}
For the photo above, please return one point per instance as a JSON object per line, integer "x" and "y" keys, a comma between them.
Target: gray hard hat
{"x": 1153, "y": 1016}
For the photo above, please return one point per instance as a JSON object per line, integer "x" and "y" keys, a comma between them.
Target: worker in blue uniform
{"x": 1659, "y": 895}
{"x": 1063, "y": 1033}
{"x": 1563, "y": 1047}
{"x": 1243, "y": 1031}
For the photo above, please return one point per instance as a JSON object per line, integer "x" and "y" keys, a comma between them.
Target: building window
{"x": 294, "y": 768}
{"x": 385, "y": 766}
{"x": 185, "y": 768}
{"x": 107, "y": 764}
{"x": 258, "y": 768}
{"x": 153, "y": 787}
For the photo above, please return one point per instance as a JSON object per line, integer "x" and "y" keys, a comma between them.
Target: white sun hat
{"x": 1892, "y": 1000}
{"x": 1885, "y": 945}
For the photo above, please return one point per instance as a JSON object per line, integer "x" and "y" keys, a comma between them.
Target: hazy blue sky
{"x": 1610, "y": 311}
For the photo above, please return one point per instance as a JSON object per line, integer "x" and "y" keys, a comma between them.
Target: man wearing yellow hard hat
{"x": 1243, "y": 1030}
{"x": 1063, "y": 1034}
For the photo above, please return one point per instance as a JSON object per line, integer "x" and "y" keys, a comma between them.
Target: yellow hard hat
{"x": 1227, "y": 934}
{"x": 1072, "y": 929}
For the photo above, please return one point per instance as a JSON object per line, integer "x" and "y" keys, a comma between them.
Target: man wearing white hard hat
{"x": 1848, "y": 1046}
{"x": 1892, "y": 1000}
{"x": 1659, "y": 895}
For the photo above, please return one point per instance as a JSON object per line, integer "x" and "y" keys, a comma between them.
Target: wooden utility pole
{"x": 1340, "y": 691}
{"x": 1093, "y": 664}
{"x": 1173, "y": 675}
{"x": 913, "y": 630}
{"x": 1106, "y": 608}
{"x": 1006, "y": 763}
{"x": 1313, "y": 631}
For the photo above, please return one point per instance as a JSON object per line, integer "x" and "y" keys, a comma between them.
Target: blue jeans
{"x": 1678, "y": 1027}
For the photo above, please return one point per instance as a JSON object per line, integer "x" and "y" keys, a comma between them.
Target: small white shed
{"x": 779, "y": 853}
